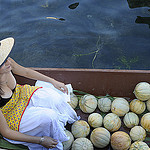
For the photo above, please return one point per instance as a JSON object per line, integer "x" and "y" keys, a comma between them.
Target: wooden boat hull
{"x": 99, "y": 82}
{"x": 96, "y": 81}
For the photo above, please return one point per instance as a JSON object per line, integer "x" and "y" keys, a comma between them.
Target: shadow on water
{"x": 78, "y": 34}
{"x": 140, "y": 3}
{"x": 144, "y": 20}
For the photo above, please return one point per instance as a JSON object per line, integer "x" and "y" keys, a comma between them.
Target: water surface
{"x": 95, "y": 34}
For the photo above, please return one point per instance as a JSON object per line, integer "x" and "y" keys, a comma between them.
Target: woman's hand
{"x": 49, "y": 142}
{"x": 60, "y": 86}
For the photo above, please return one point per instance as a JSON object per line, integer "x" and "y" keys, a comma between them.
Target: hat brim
{"x": 6, "y": 46}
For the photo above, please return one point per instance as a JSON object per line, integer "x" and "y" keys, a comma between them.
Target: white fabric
{"x": 49, "y": 85}
{"x": 46, "y": 115}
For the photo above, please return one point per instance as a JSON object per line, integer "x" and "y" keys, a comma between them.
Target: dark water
{"x": 95, "y": 34}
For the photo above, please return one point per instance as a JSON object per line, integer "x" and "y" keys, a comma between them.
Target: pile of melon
{"x": 105, "y": 127}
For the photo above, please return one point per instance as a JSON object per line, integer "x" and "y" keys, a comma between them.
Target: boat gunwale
{"x": 92, "y": 70}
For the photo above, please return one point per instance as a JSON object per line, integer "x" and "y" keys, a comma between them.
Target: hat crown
{"x": 5, "y": 48}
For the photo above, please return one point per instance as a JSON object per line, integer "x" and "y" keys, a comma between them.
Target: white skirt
{"x": 46, "y": 115}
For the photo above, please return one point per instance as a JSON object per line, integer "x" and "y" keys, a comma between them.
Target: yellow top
{"x": 14, "y": 109}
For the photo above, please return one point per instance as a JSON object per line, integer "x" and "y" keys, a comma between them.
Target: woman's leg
{"x": 50, "y": 98}
{"x": 38, "y": 121}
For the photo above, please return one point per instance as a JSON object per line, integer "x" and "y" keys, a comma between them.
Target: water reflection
{"x": 140, "y": 3}
{"x": 144, "y": 20}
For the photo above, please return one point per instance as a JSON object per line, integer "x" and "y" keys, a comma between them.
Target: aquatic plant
{"x": 45, "y": 5}
{"x": 127, "y": 62}
{"x": 99, "y": 46}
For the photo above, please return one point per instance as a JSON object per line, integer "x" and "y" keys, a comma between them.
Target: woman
{"x": 38, "y": 113}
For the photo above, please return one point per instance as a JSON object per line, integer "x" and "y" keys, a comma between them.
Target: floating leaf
{"x": 73, "y": 6}
{"x": 62, "y": 19}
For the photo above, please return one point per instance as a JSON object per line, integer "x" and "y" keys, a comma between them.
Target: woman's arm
{"x": 32, "y": 74}
{"x": 17, "y": 136}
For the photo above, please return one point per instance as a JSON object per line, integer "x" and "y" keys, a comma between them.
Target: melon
{"x": 142, "y": 91}
{"x": 82, "y": 144}
{"x": 80, "y": 128}
{"x": 137, "y": 133}
{"x": 130, "y": 120}
{"x": 95, "y": 120}
{"x": 73, "y": 100}
{"x": 145, "y": 122}
{"x": 120, "y": 140}
{"x": 112, "y": 122}
{"x": 67, "y": 144}
{"x": 100, "y": 137}
{"x": 104, "y": 104}
{"x": 139, "y": 145}
{"x": 148, "y": 104}
{"x": 120, "y": 106}
{"x": 88, "y": 103}
{"x": 137, "y": 106}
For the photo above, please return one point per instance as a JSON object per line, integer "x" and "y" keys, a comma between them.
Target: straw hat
{"x": 5, "y": 48}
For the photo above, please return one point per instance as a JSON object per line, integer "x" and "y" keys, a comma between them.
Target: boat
{"x": 98, "y": 82}
{"x": 120, "y": 83}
